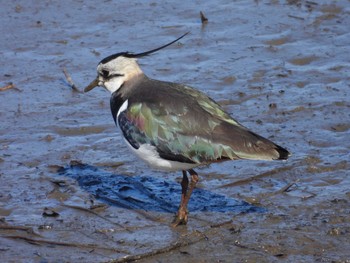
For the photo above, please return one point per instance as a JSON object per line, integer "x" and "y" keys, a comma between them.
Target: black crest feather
{"x": 139, "y": 55}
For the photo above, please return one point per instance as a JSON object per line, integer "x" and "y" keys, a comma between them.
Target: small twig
{"x": 296, "y": 17}
{"x": 287, "y": 187}
{"x": 240, "y": 245}
{"x": 284, "y": 189}
{"x": 65, "y": 244}
{"x": 8, "y": 86}
{"x": 217, "y": 225}
{"x": 70, "y": 81}
{"x": 163, "y": 250}
{"x": 203, "y": 18}
{"x": 311, "y": 195}
{"x": 311, "y": 3}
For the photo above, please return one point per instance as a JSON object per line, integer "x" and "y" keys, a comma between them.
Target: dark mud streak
{"x": 259, "y": 176}
{"x": 185, "y": 242}
{"x": 86, "y": 210}
{"x": 58, "y": 243}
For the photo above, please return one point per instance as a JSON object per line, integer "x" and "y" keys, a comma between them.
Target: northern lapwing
{"x": 174, "y": 127}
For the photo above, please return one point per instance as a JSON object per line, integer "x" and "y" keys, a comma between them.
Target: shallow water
{"x": 281, "y": 68}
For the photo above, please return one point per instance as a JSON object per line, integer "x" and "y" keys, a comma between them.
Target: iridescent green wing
{"x": 181, "y": 134}
{"x": 209, "y": 105}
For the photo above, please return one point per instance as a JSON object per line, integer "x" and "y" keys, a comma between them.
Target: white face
{"x": 114, "y": 73}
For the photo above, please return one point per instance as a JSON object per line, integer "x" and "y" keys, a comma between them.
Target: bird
{"x": 174, "y": 127}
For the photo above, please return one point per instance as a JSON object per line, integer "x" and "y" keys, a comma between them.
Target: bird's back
{"x": 185, "y": 123}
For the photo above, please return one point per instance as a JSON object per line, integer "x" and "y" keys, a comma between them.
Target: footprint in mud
{"x": 148, "y": 193}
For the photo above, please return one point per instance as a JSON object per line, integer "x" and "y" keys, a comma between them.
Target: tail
{"x": 248, "y": 145}
{"x": 245, "y": 144}
{"x": 283, "y": 153}
{"x": 264, "y": 149}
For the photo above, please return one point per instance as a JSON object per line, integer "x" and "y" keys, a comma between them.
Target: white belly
{"x": 148, "y": 153}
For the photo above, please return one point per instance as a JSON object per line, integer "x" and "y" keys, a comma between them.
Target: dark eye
{"x": 105, "y": 73}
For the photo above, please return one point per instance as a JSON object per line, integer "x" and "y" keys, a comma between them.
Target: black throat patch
{"x": 116, "y": 102}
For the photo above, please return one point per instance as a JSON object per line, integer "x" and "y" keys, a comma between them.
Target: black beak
{"x": 92, "y": 85}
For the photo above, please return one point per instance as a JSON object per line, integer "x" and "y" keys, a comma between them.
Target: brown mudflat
{"x": 71, "y": 192}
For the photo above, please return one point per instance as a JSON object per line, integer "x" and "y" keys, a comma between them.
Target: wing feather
{"x": 185, "y": 125}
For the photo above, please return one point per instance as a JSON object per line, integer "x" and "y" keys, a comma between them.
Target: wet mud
{"x": 148, "y": 193}
{"x": 70, "y": 190}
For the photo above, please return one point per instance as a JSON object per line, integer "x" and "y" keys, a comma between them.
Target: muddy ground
{"x": 70, "y": 191}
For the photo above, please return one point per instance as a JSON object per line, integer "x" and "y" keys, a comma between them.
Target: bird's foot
{"x": 181, "y": 217}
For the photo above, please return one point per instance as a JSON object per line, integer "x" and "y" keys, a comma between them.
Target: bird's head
{"x": 114, "y": 70}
